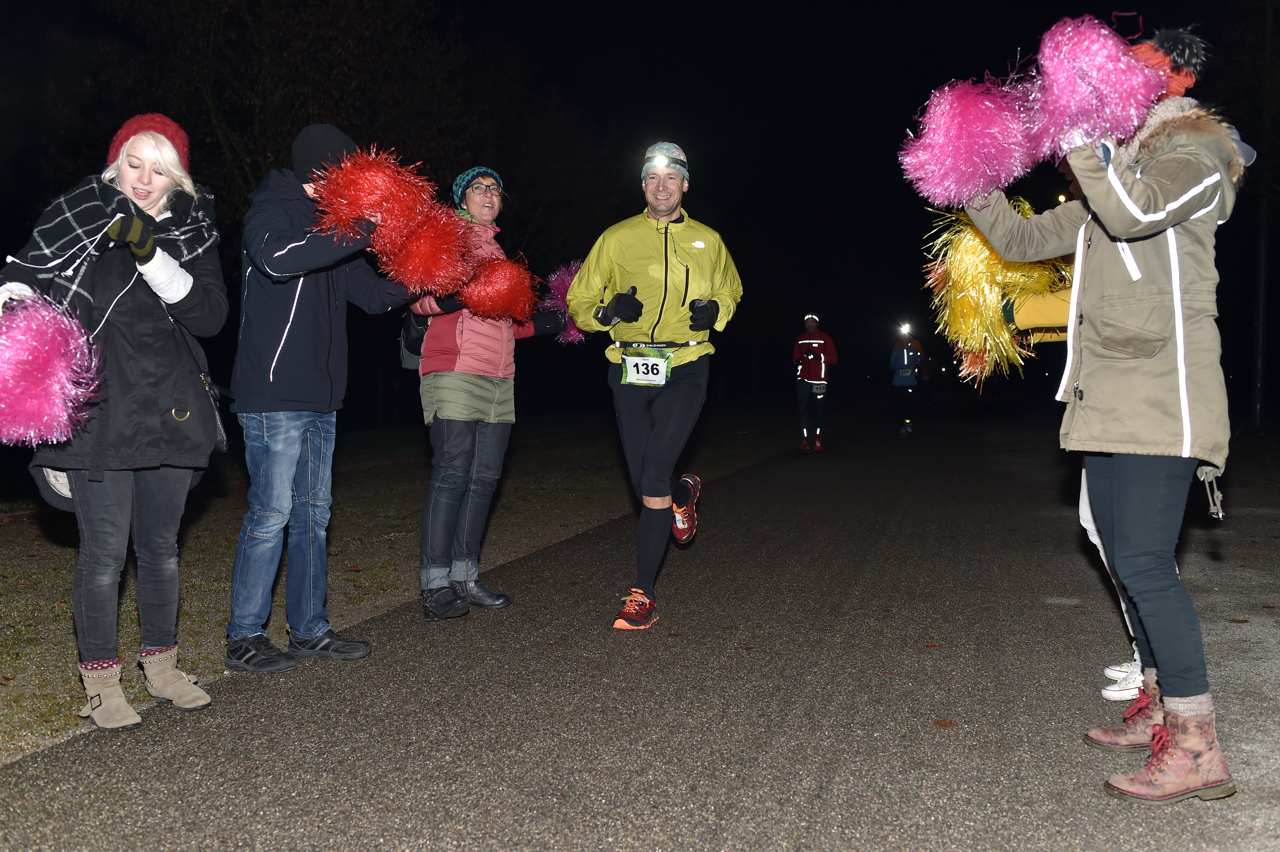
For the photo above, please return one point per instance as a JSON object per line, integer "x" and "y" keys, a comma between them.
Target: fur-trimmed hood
{"x": 1182, "y": 116}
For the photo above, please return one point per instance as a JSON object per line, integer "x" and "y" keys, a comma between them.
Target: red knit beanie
{"x": 156, "y": 123}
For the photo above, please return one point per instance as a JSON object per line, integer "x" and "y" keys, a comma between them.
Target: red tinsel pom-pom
{"x": 432, "y": 257}
{"x": 366, "y": 184}
{"x": 501, "y": 289}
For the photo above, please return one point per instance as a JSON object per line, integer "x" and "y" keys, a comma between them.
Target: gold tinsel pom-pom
{"x": 971, "y": 284}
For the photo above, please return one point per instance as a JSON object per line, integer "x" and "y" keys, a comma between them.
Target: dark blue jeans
{"x": 466, "y": 464}
{"x": 290, "y": 459}
{"x": 150, "y": 503}
{"x": 1138, "y": 502}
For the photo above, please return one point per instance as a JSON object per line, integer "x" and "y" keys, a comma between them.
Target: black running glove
{"x": 134, "y": 232}
{"x": 449, "y": 304}
{"x": 548, "y": 322}
{"x": 624, "y": 307}
{"x": 702, "y": 314}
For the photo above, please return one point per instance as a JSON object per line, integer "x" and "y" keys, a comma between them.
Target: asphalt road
{"x": 894, "y": 645}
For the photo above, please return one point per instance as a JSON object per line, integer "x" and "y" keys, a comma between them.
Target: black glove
{"x": 134, "y": 232}
{"x": 624, "y": 307}
{"x": 808, "y": 355}
{"x": 702, "y": 314}
{"x": 548, "y": 322}
{"x": 450, "y": 303}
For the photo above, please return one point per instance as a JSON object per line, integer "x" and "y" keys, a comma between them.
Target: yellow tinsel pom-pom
{"x": 971, "y": 284}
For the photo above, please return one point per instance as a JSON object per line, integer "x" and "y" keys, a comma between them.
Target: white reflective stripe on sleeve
{"x": 1176, "y": 274}
{"x": 271, "y": 374}
{"x": 823, "y": 365}
{"x": 1130, "y": 264}
{"x": 1133, "y": 208}
{"x": 282, "y": 251}
{"x": 1073, "y": 321}
{"x": 1212, "y": 204}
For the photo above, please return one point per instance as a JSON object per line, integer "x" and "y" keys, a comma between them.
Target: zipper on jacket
{"x": 666, "y": 262}
{"x": 686, "y": 287}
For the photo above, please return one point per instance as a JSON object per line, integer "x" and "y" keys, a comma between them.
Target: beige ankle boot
{"x": 1185, "y": 761}
{"x": 1140, "y": 717}
{"x": 107, "y": 706}
{"x": 167, "y": 684}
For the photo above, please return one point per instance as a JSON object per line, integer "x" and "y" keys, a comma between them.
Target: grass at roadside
{"x": 564, "y": 475}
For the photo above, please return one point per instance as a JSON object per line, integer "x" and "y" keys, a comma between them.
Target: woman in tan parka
{"x": 1146, "y": 400}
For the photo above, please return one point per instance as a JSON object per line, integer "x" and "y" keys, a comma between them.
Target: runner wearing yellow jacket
{"x": 658, "y": 283}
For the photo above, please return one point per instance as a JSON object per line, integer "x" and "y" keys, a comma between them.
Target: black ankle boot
{"x": 473, "y": 593}
{"x": 443, "y": 603}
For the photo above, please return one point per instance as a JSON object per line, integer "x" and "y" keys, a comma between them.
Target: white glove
{"x": 169, "y": 280}
{"x": 14, "y": 290}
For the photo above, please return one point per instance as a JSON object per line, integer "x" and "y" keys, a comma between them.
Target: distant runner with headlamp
{"x": 658, "y": 283}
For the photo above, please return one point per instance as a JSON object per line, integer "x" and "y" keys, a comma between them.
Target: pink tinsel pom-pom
{"x": 500, "y": 289}
{"x": 557, "y": 300}
{"x": 432, "y": 257}
{"x": 1090, "y": 87}
{"x": 973, "y": 139}
{"x": 48, "y": 373}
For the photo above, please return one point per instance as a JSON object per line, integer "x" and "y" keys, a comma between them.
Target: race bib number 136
{"x": 646, "y": 366}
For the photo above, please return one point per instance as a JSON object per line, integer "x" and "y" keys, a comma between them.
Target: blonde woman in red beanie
{"x": 131, "y": 252}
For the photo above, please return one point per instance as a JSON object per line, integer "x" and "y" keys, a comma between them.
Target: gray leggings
{"x": 150, "y": 503}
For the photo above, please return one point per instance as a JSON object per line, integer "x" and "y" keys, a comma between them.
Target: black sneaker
{"x": 443, "y": 603}
{"x": 256, "y": 654}
{"x": 329, "y": 645}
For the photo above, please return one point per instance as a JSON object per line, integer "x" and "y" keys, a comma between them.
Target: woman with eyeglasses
{"x": 467, "y": 386}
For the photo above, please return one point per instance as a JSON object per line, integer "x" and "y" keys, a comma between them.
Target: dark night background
{"x": 791, "y": 114}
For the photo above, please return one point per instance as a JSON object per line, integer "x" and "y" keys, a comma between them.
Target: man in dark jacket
{"x": 289, "y": 380}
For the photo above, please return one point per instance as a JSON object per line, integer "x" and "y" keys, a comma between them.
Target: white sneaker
{"x": 1122, "y": 670}
{"x": 1125, "y": 689}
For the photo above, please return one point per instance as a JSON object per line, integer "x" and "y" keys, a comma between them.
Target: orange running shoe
{"x": 639, "y": 612}
{"x": 684, "y": 519}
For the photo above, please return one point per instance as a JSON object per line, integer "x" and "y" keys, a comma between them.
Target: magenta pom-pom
{"x": 1090, "y": 87}
{"x": 48, "y": 373}
{"x": 973, "y": 139}
{"x": 557, "y": 300}
{"x": 500, "y": 289}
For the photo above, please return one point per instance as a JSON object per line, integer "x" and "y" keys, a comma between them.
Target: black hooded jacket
{"x": 292, "y": 351}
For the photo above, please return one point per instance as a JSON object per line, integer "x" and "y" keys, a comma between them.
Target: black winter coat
{"x": 292, "y": 350}
{"x": 152, "y": 407}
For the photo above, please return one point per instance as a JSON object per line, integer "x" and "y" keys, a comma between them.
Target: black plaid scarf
{"x": 73, "y": 229}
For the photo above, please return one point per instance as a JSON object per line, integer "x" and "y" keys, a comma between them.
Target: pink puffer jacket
{"x": 462, "y": 342}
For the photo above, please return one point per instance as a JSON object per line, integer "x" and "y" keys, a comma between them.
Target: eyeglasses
{"x": 482, "y": 188}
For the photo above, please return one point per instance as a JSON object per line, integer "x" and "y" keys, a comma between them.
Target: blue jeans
{"x": 150, "y": 503}
{"x": 290, "y": 459}
{"x": 1138, "y": 502}
{"x": 466, "y": 464}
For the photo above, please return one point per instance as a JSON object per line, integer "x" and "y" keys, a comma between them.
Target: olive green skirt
{"x": 462, "y": 396}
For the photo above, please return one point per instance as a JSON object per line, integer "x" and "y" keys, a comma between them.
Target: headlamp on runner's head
{"x": 665, "y": 155}
{"x": 662, "y": 161}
